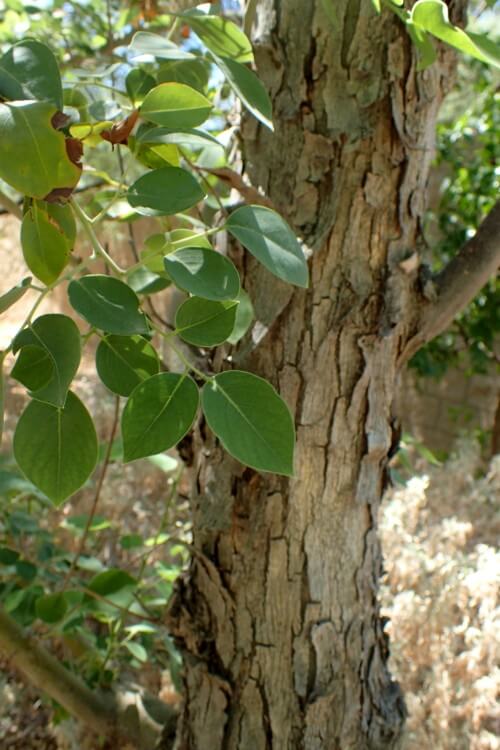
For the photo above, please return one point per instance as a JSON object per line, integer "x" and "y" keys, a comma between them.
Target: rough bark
{"x": 278, "y": 616}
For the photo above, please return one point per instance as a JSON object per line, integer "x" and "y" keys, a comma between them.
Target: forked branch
{"x": 460, "y": 281}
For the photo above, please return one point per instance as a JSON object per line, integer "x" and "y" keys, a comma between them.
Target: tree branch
{"x": 118, "y": 716}
{"x": 460, "y": 281}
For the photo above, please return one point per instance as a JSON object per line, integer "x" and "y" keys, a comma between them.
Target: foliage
{"x": 105, "y": 617}
{"x": 468, "y": 155}
{"x": 157, "y": 119}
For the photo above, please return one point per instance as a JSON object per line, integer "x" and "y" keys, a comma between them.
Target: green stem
{"x": 177, "y": 243}
{"x": 185, "y": 361}
{"x": 92, "y": 237}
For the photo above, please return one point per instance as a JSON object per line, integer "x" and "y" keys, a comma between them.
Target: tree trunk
{"x": 278, "y": 616}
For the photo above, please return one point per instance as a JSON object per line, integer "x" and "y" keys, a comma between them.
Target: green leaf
{"x": 33, "y": 368}
{"x": 193, "y": 139}
{"x": 62, "y": 216}
{"x": 131, "y": 541}
{"x": 244, "y": 317}
{"x": 29, "y": 70}
{"x": 14, "y": 295}
{"x": 432, "y": 16}
{"x": 124, "y": 361}
{"x": 248, "y": 88}
{"x": 144, "y": 281}
{"x": 194, "y": 73}
{"x": 59, "y": 338}
{"x": 110, "y": 581}
{"x": 45, "y": 247}
{"x": 51, "y": 608}
{"x": 138, "y": 83}
{"x": 168, "y": 191}
{"x": 205, "y": 323}
{"x": 251, "y": 420}
{"x": 158, "y": 414}
{"x": 8, "y": 556}
{"x": 221, "y": 36}
{"x": 108, "y": 304}
{"x": 204, "y": 273}
{"x": 56, "y": 448}
{"x": 269, "y": 238}
{"x": 175, "y": 105}
{"x": 154, "y": 45}
{"x": 376, "y": 5}
{"x": 137, "y": 651}
{"x": 33, "y": 157}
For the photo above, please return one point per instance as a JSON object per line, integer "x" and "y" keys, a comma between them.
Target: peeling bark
{"x": 278, "y": 616}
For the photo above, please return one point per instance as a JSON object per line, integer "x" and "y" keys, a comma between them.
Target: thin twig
{"x": 97, "y": 494}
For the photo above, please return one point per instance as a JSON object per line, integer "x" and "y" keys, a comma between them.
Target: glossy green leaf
{"x": 144, "y": 281}
{"x": 191, "y": 138}
{"x": 269, "y": 238}
{"x": 154, "y": 45}
{"x": 51, "y": 608}
{"x": 376, "y": 5}
{"x": 248, "y": 88}
{"x": 251, "y": 420}
{"x": 29, "y": 70}
{"x": 138, "y": 83}
{"x": 221, "y": 36}
{"x": 59, "y": 337}
{"x": 56, "y": 448}
{"x": 45, "y": 247}
{"x": 123, "y": 362}
{"x": 167, "y": 191}
{"x": 175, "y": 105}
{"x": 33, "y": 157}
{"x": 244, "y": 317}
{"x": 432, "y": 16}
{"x": 13, "y": 295}
{"x": 194, "y": 73}
{"x": 33, "y": 368}
{"x": 204, "y": 273}
{"x": 205, "y": 323}
{"x": 108, "y": 304}
{"x": 158, "y": 414}
{"x": 111, "y": 581}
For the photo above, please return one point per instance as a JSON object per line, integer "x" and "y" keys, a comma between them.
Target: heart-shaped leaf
{"x": 108, "y": 304}
{"x": 56, "y": 448}
{"x": 125, "y": 361}
{"x": 29, "y": 70}
{"x": 33, "y": 157}
{"x": 269, "y": 238}
{"x": 204, "y": 273}
{"x": 205, "y": 323}
{"x": 59, "y": 338}
{"x": 251, "y": 420}
{"x": 175, "y": 105}
{"x": 158, "y": 414}
{"x": 168, "y": 191}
